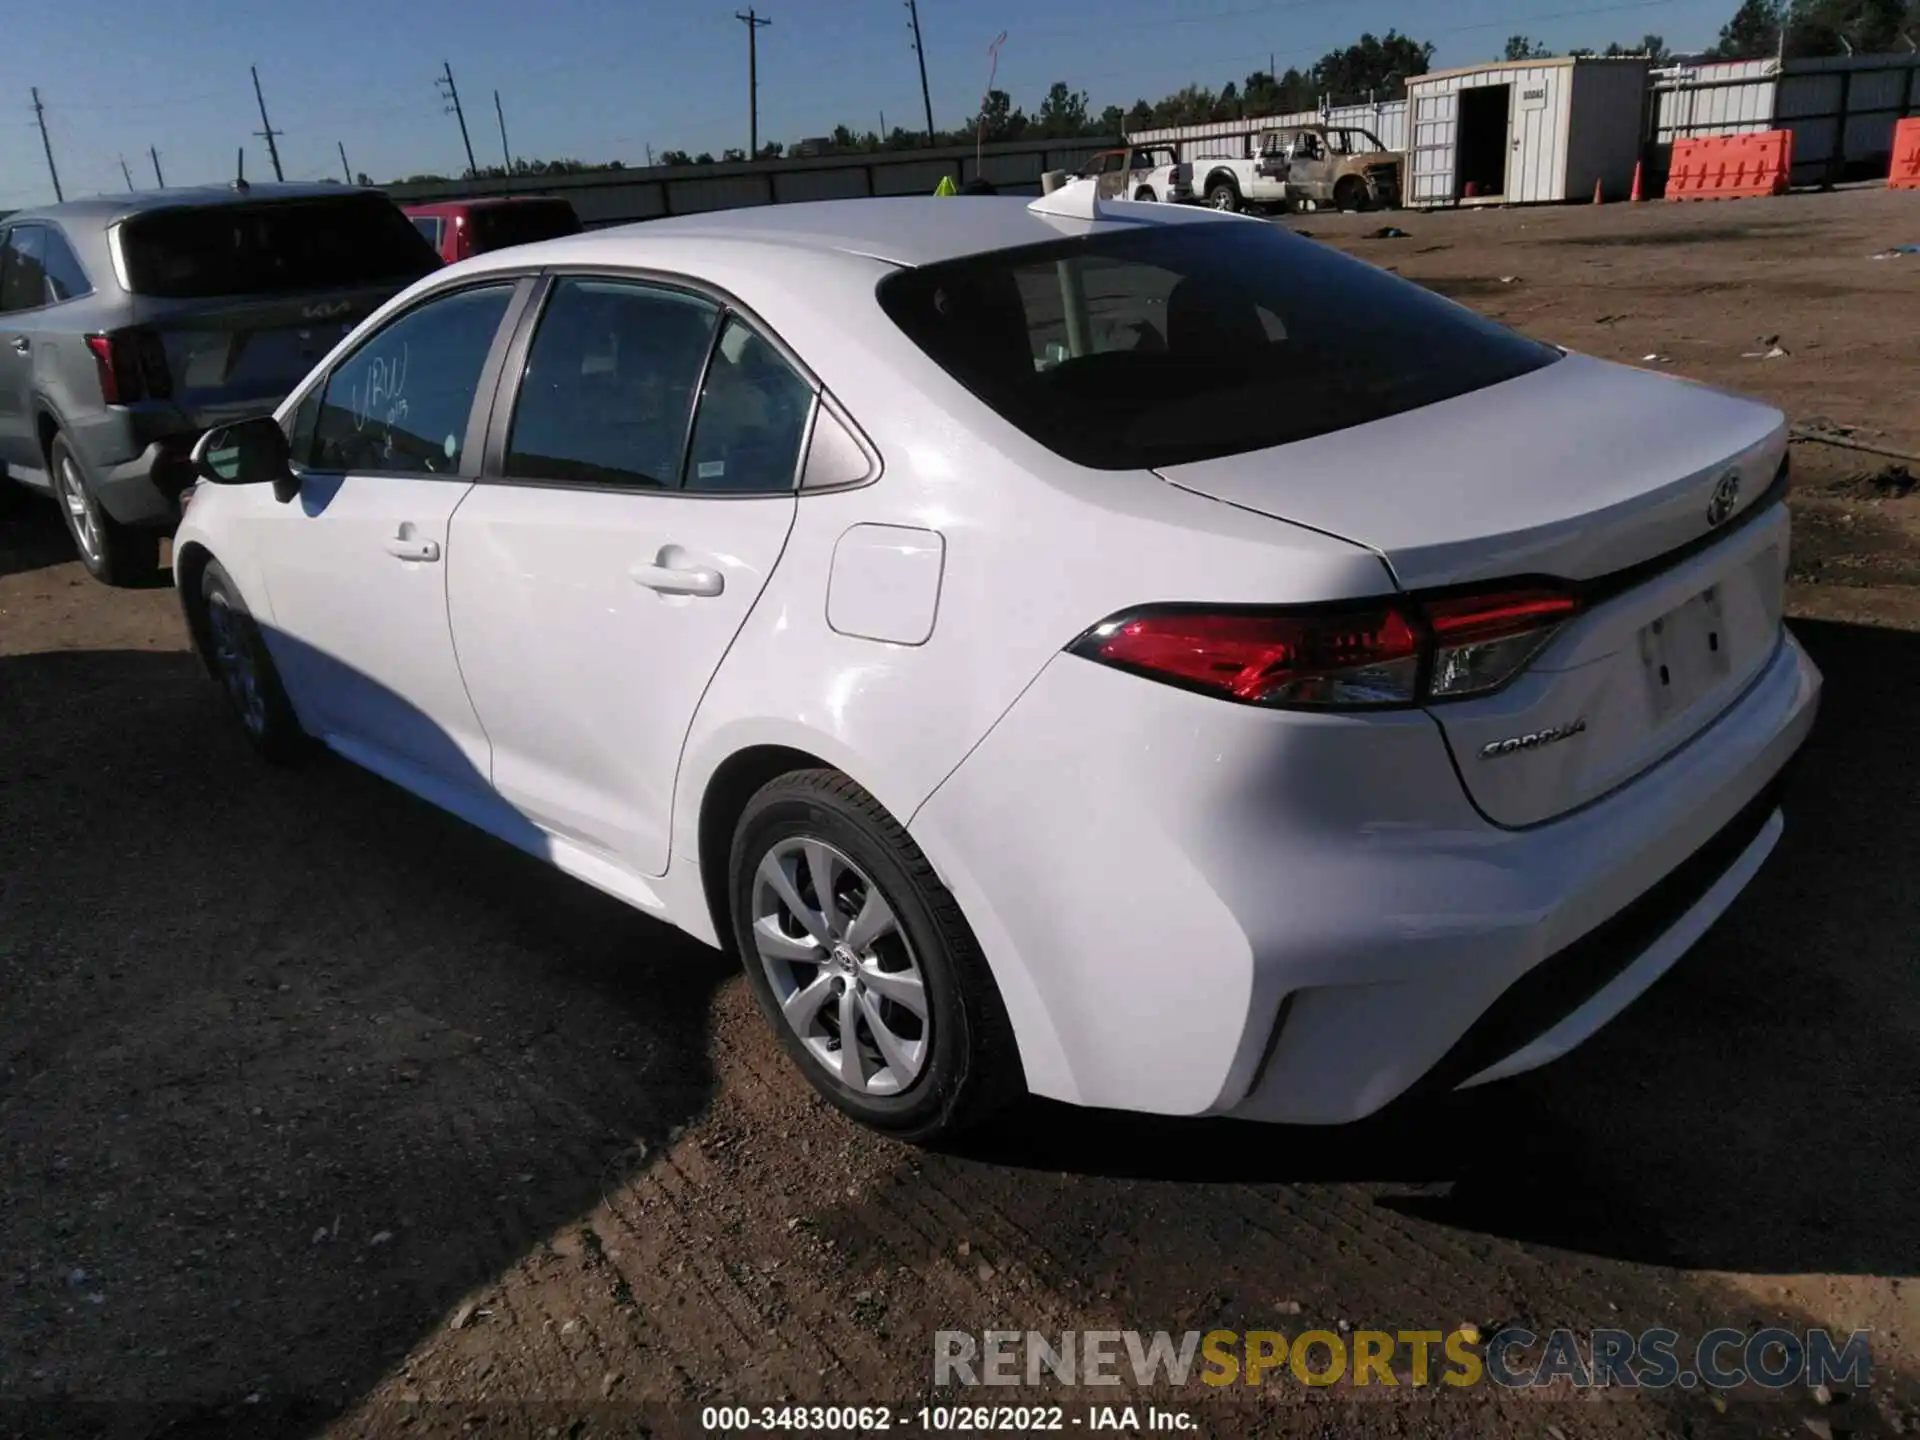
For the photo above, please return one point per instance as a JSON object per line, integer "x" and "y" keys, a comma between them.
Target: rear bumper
{"x": 145, "y": 490}
{"x": 1194, "y": 907}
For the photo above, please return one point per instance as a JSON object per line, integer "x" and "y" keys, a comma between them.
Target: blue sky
{"x": 600, "y": 79}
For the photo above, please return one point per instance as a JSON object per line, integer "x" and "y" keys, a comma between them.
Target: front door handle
{"x": 405, "y": 548}
{"x": 21, "y": 344}
{"x": 669, "y": 574}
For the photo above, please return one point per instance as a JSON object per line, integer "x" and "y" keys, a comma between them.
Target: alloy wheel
{"x": 81, "y": 517}
{"x": 841, "y": 967}
{"x": 233, "y": 656}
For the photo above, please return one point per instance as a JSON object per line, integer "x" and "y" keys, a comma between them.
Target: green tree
{"x": 1113, "y": 121}
{"x": 1832, "y": 27}
{"x": 1753, "y": 33}
{"x": 1522, "y": 47}
{"x": 1381, "y": 64}
{"x": 1000, "y": 118}
{"x": 1139, "y": 116}
{"x": 770, "y": 151}
{"x": 1062, "y": 113}
{"x": 675, "y": 157}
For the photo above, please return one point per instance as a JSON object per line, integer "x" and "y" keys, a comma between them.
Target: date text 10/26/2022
{"x": 993, "y": 1419}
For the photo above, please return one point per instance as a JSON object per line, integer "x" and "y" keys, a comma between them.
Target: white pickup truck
{"x": 1141, "y": 172}
{"x": 1303, "y": 167}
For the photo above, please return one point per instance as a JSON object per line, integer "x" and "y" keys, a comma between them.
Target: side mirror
{"x": 247, "y": 452}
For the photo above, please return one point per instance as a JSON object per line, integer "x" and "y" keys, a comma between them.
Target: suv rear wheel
{"x": 863, "y": 964}
{"x": 114, "y": 554}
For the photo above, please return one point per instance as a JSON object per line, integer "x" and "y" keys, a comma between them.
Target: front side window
{"x": 400, "y": 403}
{"x": 429, "y": 226}
{"x": 752, "y": 420}
{"x": 1164, "y": 345}
{"x": 610, "y": 384}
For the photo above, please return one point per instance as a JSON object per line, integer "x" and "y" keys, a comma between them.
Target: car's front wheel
{"x": 1223, "y": 195}
{"x": 862, "y": 962}
{"x": 238, "y": 657}
{"x": 114, "y": 554}
{"x": 1145, "y": 193}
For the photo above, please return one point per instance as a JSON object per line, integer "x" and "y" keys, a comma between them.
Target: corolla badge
{"x": 1726, "y": 498}
{"x": 1538, "y": 740}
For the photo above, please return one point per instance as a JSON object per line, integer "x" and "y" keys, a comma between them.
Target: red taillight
{"x": 107, "y": 362}
{"x": 1343, "y": 658}
{"x": 1391, "y": 653}
{"x": 132, "y": 365}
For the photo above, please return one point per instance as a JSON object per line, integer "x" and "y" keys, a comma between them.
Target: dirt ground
{"x": 321, "y": 1113}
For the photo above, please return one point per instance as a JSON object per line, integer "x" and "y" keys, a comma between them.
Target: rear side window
{"x": 753, "y": 416}
{"x": 1165, "y": 345}
{"x": 65, "y": 279}
{"x": 278, "y": 247}
{"x": 495, "y": 227}
{"x": 610, "y": 384}
{"x": 429, "y": 227}
{"x": 23, "y": 283}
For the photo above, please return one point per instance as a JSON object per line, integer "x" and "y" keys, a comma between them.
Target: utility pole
{"x": 754, "y": 24}
{"x": 926, "y": 96}
{"x": 452, "y": 93}
{"x": 345, "y": 169}
{"x": 158, "y": 178}
{"x": 126, "y": 172}
{"x": 505, "y": 149}
{"x": 267, "y": 132}
{"x": 40, "y": 118}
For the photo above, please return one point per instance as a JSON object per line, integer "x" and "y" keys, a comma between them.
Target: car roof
{"x": 105, "y": 209}
{"x": 908, "y": 231}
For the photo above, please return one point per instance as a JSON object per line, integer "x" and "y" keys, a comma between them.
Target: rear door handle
{"x": 422, "y": 550}
{"x": 669, "y": 575}
{"x": 669, "y": 581}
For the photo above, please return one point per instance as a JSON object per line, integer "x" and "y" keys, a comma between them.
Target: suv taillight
{"x": 132, "y": 365}
{"x": 1385, "y": 654}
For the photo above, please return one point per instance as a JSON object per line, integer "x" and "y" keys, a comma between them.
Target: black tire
{"x": 114, "y": 554}
{"x": 1145, "y": 192}
{"x": 1350, "y": 194}
{"x": 971, "y": 1067}
{"x": 1223, "y": 194}
{"x": 231, "y": 644}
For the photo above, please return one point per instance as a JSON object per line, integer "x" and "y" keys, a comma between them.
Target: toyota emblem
{"x": 1726, "y": 499}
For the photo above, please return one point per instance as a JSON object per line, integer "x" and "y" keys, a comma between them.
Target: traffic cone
{"x": 1638, "y": 193}
{"x": 1598, "y": 198}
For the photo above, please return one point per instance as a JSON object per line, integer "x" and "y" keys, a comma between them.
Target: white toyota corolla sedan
{"x": 1123, "y": 652}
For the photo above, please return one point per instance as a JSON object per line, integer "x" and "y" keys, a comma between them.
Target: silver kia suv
{"x": 131, "y": 324}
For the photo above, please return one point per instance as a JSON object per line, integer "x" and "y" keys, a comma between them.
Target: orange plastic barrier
{"x": 1906, "y": 156}
{"x": 1731, "y": 167}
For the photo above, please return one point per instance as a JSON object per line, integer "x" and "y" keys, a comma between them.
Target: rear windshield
{"x": 497, "y": 226}
{"x": 274, "y": 248}
{"x": 1168, "y": 344}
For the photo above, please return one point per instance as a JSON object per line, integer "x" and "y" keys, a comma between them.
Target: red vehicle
{"x": 459, "y": 228}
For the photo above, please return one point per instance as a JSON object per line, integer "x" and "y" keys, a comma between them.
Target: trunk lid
{"x": 1584, "y": 472}
{"x": 229, "y": 359}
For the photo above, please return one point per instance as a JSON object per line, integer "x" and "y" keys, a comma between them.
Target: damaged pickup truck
{"x": 1338, "y": 167}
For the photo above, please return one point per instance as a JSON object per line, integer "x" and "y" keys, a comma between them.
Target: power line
{"x": 40, "y": 118}
{"x": 501, "y": 116}
{"x": 266, "y": 131}
{"x": 452, "y": 93}
{"x": 920, "y": 52}
{"x": 755, "y": 24}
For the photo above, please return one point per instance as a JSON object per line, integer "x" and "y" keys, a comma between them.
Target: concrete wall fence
{"x": 615, "y": 197}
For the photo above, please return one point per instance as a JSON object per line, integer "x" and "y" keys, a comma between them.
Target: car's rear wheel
{"x": 863, "y": 964}
{"x": 114, "y": 554}
{"x": 1223, "y": 195}
{"x": 1145, "y": 192}
{"x": 238, "y": 657}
